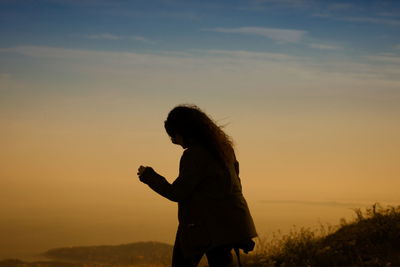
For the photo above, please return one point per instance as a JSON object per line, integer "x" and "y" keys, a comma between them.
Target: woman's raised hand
{"x": 141, "y": 170}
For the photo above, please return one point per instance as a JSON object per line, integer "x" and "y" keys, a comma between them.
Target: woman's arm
{"x": 191, "y": 172}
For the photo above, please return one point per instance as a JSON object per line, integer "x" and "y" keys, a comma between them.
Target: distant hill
{"x": 134, "y": 254}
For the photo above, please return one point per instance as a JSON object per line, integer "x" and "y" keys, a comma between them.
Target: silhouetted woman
{"x": 212, "y": 212}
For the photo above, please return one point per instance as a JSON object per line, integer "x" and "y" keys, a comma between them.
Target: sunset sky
{"x": 309, "y": 90}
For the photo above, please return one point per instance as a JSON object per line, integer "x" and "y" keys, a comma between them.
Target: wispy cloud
{"x": 105, "y": 36}
{"x": 142, "y": 39}
{"x": 169, "y": 58}
{"x": 288, "y": 3}
{"x": 231, "y": 65}
{"x": 299, "y": 4}
{"x": 324, "y": 46}
{"x": 372, "y": 20}
{"x": 109, "y": 36}
{"x": 281, "y": 36}
{"x": 388, "y": 14}
{"x": 277, "y": 35}
{"x": 340, "y": 6}
{"x": 226, "y": 70}
{"x": 385, "y": 58}
{"x": 252, "y": 55}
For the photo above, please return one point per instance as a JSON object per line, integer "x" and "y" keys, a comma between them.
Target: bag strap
{"x": 247, "y": 246}
{"x": 237, "y": 251}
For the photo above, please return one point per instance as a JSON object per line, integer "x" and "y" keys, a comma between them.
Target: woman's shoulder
{"x": 196, "y": 151}
{"x": 196, "y": 155}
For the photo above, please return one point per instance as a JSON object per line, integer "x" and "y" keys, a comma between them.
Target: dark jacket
{"x": 211, "y": 208}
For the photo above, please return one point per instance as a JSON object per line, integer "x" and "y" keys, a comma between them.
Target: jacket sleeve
{"x": 191, "y": 172}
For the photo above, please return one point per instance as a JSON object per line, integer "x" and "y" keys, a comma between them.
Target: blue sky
{"x": 56, "y": 43}
{"x": 301, "y": 26}
{"x": 320, "y": 32}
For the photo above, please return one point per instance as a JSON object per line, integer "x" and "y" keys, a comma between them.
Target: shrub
{"x": 372, "y": 239}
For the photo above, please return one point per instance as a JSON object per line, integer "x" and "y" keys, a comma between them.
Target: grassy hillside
{"x": 372, "y": 239}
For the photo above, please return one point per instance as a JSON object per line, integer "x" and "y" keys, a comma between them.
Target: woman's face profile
{"x": 177, "y": 140}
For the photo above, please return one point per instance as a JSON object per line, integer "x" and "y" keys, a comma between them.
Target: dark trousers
{"x": 216, "y": 257}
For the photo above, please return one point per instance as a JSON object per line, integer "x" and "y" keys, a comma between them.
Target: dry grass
{"x": 371, "y": 239}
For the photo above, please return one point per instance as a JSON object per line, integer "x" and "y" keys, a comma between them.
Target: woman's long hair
{"x": 196, "y": 128}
